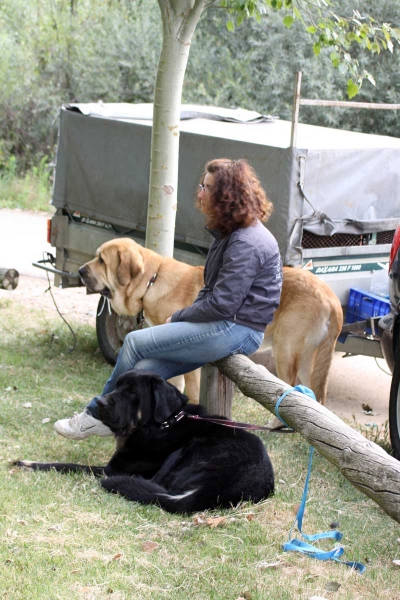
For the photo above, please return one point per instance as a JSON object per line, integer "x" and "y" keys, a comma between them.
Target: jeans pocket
{"x": 251, "y": 344}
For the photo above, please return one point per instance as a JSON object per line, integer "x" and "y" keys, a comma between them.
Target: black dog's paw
{"x": 114, "y": 484}
{"x": 124, "y": 485}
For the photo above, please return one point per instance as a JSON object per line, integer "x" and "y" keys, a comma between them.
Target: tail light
{"x": 49, "y": 231}
{"x": 395, "y": 247}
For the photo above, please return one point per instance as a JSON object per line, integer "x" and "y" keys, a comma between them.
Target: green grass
{"x": 31, "y": 191}
{"x": 63, "y": 537}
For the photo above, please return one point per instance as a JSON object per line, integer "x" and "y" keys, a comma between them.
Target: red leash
{"x": 224, "y": 422}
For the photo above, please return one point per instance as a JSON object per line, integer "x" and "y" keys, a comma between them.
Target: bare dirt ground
{"x": 354, "y": 381}
{"x": 73, "y": 303}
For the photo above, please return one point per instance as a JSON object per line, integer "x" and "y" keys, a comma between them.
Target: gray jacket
{"x": 243, "y": 280}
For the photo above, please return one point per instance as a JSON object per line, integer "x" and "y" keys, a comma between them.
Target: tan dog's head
{"x": 116, "y": 264}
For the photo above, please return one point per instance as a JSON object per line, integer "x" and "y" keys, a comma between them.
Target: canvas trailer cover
{"x": 336, "y": 195}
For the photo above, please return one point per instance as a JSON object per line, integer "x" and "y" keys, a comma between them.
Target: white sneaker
{"x": 81, "y": 426}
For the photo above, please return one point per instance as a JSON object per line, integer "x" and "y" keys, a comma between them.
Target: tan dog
{"x": 302, "y": 334}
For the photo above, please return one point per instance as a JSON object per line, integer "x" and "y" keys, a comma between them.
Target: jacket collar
{"x": 215, "y": 233}
{"x": 218, "y": 235}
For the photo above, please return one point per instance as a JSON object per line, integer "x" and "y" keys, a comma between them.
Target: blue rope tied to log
{"x": 298, "y": 545}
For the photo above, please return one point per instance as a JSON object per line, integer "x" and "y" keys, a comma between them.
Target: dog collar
{"x": 173, "y": 420}
{"x": 150, "y": 283}
{"x": 140, "y": 318}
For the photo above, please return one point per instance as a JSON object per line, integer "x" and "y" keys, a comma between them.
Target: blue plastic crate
{"x": 363, "y": 305}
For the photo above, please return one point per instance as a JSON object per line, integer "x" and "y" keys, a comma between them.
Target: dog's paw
{"x": 124, "y": 485}
{"x": 113, "y": 484}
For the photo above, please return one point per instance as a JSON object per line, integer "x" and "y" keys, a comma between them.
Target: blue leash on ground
{"x": 298, "y": 545}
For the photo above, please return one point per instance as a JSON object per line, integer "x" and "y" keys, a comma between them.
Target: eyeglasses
{"x": 202, "y": 187}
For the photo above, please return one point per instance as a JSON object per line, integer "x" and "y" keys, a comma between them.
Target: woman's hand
{"x": 168, "y": 320}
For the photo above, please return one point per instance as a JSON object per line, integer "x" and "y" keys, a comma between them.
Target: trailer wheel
{"x": 394, "y": 409}
{"x": 111, "y": 330}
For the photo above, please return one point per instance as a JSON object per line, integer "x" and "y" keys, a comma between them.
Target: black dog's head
{"x": 139, "y": 398}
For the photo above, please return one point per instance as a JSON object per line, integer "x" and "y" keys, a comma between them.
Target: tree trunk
{"x": 179, "y": 18}
{"x": 365, "y": 464}
{"x": 9, "y": 279}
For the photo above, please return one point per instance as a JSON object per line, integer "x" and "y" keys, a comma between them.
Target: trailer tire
{"x": 394, "y": 409}
{"x": 111, "y": 330}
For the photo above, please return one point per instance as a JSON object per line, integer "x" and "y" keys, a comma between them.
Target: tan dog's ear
{"x": 128, "y": 268}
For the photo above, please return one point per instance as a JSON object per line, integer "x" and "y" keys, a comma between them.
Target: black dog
{"x": 182, "y": 465}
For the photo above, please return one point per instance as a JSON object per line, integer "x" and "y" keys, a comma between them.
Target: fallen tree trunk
{"x": 365, "y": 464}
{"x": 9, "y": 279}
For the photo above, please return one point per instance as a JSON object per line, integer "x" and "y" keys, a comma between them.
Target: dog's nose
{"x": 82, "y": 271}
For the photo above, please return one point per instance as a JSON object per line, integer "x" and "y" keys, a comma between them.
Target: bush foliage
{"x": 58, "y": 51}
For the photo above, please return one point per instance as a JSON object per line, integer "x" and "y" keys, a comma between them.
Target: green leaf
{"x": 386, "y": 31}
{"x": 352, "y": 37}
{"x": 375, "y": 48}
{"x": 317, "y": 49}
{"x": 288, "y": 21}
{"x": 230, "y": 26}
{"x": 312, "y": 29}
{"x": 352, "y": 89}
{"x": 335, "y": 58}
{"x": 250, "y": 8}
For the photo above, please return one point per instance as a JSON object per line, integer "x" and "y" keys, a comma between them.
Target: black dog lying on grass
{"x": 183, "y": 465}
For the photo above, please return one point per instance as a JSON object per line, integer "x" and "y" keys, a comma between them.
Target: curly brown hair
{"x": 237, "y": 197}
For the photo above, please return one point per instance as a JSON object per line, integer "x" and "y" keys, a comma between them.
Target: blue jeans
{"x": 177, "y": 348}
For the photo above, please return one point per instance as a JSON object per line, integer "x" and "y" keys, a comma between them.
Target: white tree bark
{"x": 179, "y": 18}
{"x": 365, "y": 464}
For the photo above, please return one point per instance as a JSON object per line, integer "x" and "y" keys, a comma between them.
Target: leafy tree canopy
{"x": 330, "y": 28}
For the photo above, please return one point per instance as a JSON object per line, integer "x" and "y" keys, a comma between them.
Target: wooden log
{"x": 216, "y": 391}
{"x": 365, "y": 464}
{"x": 9, "y": 279}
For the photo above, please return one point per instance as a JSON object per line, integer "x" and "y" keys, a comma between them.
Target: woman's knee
{"x": 130, "y": 342}
{"x": 137, "y": 345}
{"x": 127, "y": 356}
